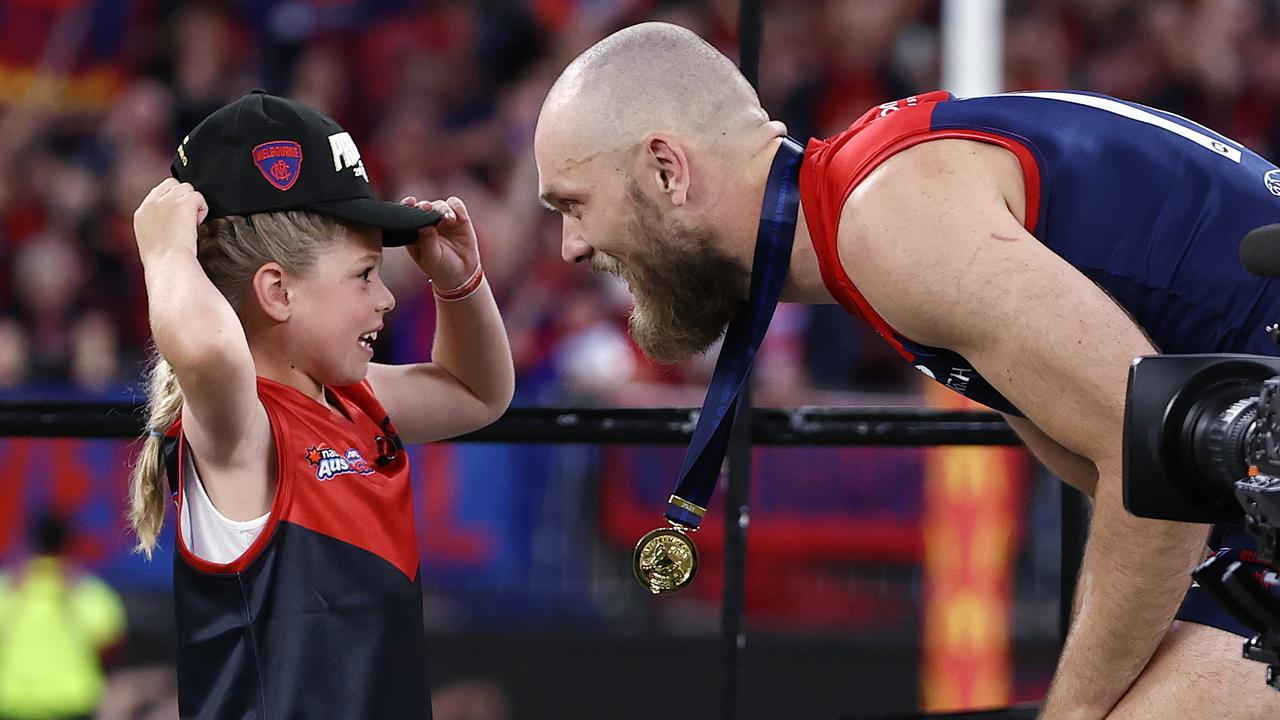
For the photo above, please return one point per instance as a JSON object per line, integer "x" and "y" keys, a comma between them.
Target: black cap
{"x": 263, "y": 153}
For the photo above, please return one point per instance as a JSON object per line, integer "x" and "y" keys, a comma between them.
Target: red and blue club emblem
{"x": 280, "y": 162}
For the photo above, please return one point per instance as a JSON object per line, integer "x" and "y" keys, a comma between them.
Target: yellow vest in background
{"x": 53, "y": 624}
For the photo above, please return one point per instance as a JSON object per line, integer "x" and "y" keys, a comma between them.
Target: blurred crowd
{"x": 442, "y": 97}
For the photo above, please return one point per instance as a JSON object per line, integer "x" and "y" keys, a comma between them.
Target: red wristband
{"x": 465, "y": 290}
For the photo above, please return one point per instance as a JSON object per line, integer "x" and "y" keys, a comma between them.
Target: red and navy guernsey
{"x": 322, "y": 616}
{"x": 1148, "y": 205}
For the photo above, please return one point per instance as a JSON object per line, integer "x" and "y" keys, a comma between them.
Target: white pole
{"x": 973, "y": 47}
{"x": 972, "y": 54}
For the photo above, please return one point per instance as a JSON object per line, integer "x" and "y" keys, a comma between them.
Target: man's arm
{"x": 933, "y": 242}
{"x": 1070, "y": 468}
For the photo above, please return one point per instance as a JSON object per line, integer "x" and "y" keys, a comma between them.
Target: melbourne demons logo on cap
{"x": 280, "y": 162}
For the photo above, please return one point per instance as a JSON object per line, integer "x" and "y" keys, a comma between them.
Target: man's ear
{"x": 667, "y": 164}
{"x": 272, "y": 292}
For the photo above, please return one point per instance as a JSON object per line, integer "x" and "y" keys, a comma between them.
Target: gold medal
{"x": 665, "y": 560}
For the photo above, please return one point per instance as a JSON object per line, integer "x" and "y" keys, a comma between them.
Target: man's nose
{"x": 573, "y": 245}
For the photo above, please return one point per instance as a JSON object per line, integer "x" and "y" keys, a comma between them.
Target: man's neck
{"x": 804, "y": 283}
{"x": 804, "y": 280}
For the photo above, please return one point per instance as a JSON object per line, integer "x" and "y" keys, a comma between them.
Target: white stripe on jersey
{"x": 1143, "y": 116}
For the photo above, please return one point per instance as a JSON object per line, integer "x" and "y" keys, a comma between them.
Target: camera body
{"x": 1201, "y": 445}
{"x": 1194, "y": 427}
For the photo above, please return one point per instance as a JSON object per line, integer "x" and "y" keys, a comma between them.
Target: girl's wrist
{"x": 158, "y": 254}
{"x": 464, "y": 290}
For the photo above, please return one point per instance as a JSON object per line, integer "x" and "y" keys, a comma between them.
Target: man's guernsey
{"x": 1149, "y": 205}
{"x": 322, "y": 615}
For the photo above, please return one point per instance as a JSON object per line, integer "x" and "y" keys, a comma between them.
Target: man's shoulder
{"x": 835, "y": 168}
{"x": 893, "y": 115}
{"x": 930, "y": 177}
{"x": 906, "y": 234}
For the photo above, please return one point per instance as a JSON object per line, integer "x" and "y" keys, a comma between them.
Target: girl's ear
{"x": 272, "y": 292}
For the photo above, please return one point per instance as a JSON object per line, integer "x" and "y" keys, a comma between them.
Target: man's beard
{"x": 681, "y": 282}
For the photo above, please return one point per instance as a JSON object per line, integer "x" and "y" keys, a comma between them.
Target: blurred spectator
{"x": 15, "y": 360}
{"x": 94, "y": 352}
{"x": 57, "y": 627}
{"x": 48, "y": 277}
{"x": 320, "y": 79}
{"x": 593, "y": 357}
{"x": 208, "y": 54}
{"x": 141, "y": 693}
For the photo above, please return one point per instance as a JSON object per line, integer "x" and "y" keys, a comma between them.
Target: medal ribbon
{"x": 701, "y": 468}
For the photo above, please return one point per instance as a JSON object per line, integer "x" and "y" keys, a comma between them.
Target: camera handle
{"x": 1249, "y": 601}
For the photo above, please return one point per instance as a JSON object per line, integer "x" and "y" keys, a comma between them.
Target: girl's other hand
{"x": 447, "y": 252}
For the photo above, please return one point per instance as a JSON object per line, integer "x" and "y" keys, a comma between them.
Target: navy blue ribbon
{"x": 701, "y": 469}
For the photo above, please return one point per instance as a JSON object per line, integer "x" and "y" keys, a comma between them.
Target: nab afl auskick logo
{"x": 330, "y": 463}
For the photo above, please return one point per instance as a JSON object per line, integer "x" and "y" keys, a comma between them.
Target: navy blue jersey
{"x": 322, "y": 615}
{"x": 1149, "y": 205}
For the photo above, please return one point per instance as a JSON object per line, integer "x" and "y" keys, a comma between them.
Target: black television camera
{"x": 1202, "y": 444}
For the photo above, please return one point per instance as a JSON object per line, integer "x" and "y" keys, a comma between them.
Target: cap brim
{"x": 399, "y": 223}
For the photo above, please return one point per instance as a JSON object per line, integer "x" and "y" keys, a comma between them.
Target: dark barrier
{"x": 903, "y": 427}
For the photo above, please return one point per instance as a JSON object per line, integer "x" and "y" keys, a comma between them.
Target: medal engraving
{"x": 665, "y": 560}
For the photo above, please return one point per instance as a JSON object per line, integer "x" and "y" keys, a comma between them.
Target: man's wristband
{"x": 463, "y": 291}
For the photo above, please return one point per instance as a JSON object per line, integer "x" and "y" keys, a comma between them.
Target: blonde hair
{"x": 230, "y": 251}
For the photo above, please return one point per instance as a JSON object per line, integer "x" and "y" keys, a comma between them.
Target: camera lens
{"x": 1218, "y": 429}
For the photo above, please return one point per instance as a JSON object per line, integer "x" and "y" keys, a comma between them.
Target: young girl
{"x": 296, "y": 574}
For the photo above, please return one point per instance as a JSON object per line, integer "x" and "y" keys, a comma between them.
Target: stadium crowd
{"x": 444, "y": 95}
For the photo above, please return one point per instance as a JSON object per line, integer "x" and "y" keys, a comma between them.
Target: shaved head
{"x": 652, "y": 77}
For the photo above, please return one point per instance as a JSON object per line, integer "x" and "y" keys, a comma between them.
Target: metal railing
{"x": 805, "y": 426}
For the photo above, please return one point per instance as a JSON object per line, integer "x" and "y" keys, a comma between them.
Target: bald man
{"x": 1022, "y": 249}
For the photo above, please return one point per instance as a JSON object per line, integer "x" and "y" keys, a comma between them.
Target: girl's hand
{"x": 168, "y": 218}
{"x": 447, "y": 251}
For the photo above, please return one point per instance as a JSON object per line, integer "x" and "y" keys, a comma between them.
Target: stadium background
{"x": 529, "y": 601}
